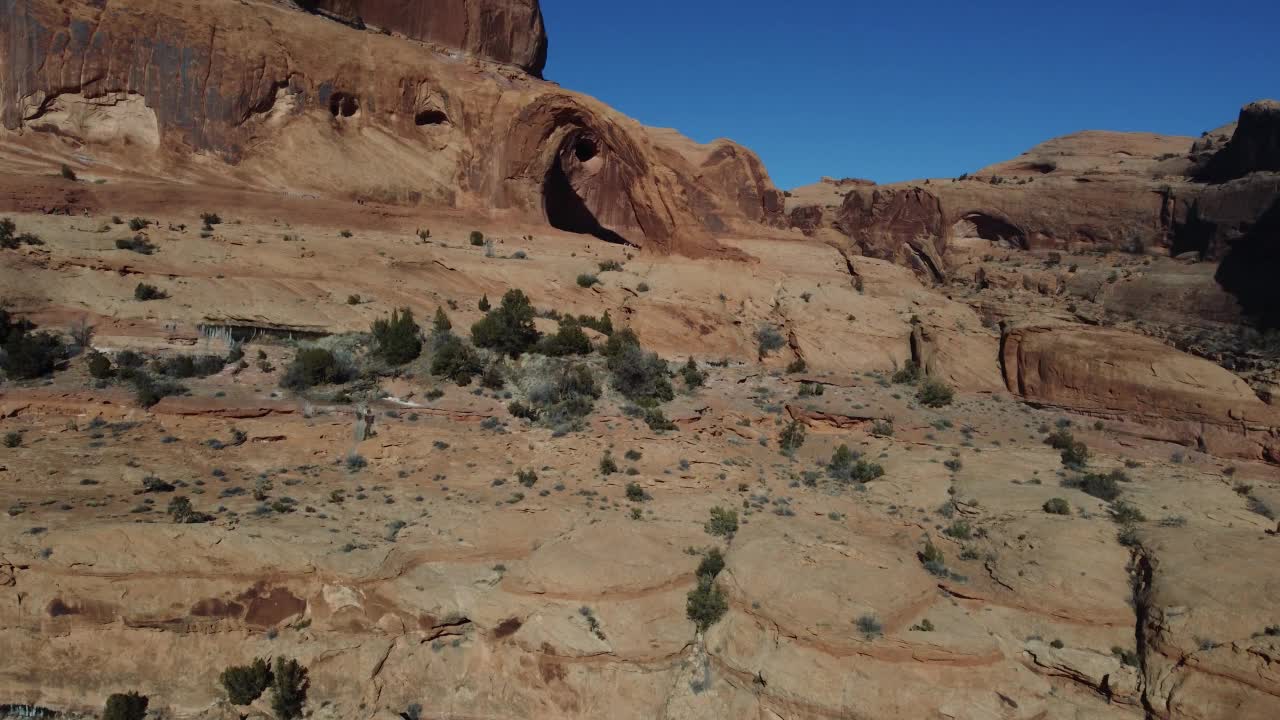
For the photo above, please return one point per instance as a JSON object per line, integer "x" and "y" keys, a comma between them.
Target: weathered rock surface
{"x": 1125, "y": 376}
{"x": 258, "y": 94}
{"x": 1254, "y": 145}
{"x": 507, "y": 31}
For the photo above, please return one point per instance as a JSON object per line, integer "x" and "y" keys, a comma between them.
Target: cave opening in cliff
{"x": 993, "y": 229}
{"x": 343, "y": 104}
{"x": 430, "y": 117}
{"x": 565, "y": 209}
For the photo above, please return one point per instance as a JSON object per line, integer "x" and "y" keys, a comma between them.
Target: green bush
{"x": 797, "y": 366}
{"x": 137, "y": 243}
{"x": 12, "y": 439}
{"x": 706, "y": 603}
{"x": 1057, "y": 506}
{"x": 144, "y": 292}
{"x": 869, "y": 626}
{"x": 768, "y": 339}
{"x": 1104, "y": 487}
{"x": 148, "y": 390}
{"x": 932, "y": 559}
{"x": 610, "y": 266}
{"x": 189, "y": 366}
{"x": 602, "y": 324}
{"x": 508, "y": 328}
{"x": 246, "y": 683}
{"x": 483, "y": 305}
{"x": 452, "y": 358}
{"x": 792, "y": 437}
{"x": 67, "y": 172}
{"x": 864, "y": 472}
{"x": 29, "y": 355}
{"x": 635, "y": 493}
{"x": 711, "y": 565}
{"x": 477, "y": 238}
{"x": 586, "y": 280}
{"x": 313, "y": 366}
{"x": 396, "y": 340}
{"x": 607, "y": 464}
{"x": 1076, "y": 456}
{"x": 289, "y": 685}
{"x": 908, "y": 374}
{"x": 441, "y": 323}
{"x": 723, "y": 522}
{"x": 640, "y": 376}
{"x": 138, "y": 223}
{"x": 181, "y": 511}
{"x": 693, "y": 377}
{"x": 569, "y": 340}
{"x": 125, "y": 706}
{"x": 959, "y": 530}
{"x": 934, "y": 393}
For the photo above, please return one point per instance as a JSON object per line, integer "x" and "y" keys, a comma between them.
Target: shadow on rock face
{"x": 1250, "y": 269}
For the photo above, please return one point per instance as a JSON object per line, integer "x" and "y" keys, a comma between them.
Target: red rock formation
{"x": 262, "y": 89}
{"x": 1254, "y": 145}
{"x": 904, "y": 224}
{"x": 1121, "y": 375}
{"x": 507, "y": 31}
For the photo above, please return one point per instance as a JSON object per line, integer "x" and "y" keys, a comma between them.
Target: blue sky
{"x": 899, "y": 90}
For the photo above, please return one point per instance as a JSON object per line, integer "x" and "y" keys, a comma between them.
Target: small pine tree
{"x": 288, "y": 688}
{"x": 484, "y": 303}
{"x": 441, "y": 324}
{"x": 397, "y": 338}
{"x": 125, "y": 706}
{"x": 246, "y": 683}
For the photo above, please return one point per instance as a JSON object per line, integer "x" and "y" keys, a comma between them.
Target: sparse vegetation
{"x": 768, "y": 339}
{"x": 792, "y": 437}
{"x": 908, "y": 374}
{"x": 1057, "y": 506}
{"x": 144, "y": 292}
{"x": 125, "y": 706}
{"x": 289, "y": 685}
{"x": 476, "y": 238}
{"x": 586, "y": 280}
{"x": 314, "y": 366}
{"x": 137, "y": 243}
{"x": 508, "y": 328}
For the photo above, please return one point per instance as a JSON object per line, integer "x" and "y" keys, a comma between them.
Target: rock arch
{"x": 989, "y": 226}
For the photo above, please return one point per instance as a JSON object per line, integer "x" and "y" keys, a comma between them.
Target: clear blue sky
{"x": 896, "y": 90}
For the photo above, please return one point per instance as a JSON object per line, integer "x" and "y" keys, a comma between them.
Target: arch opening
{"x": 564, "y": 207}
{"x": 430, "y": 117}
{"x": 343, "y": 104}
{"x": 990, "y": 228}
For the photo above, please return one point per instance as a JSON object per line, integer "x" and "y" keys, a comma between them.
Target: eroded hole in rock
{"x": 430, "y": 117}
{"x": 986, "y": 227}
{"x": 343, "y": 104}
{"x": 584, "y": 149}
{"x": 565, "y": 209}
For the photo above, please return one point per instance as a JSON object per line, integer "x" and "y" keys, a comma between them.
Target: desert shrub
{"x": 494, "y": 376}
{"x": 653, "y": 417}
{"x": 136, "y": 224}
{"x": 313, "y": 366}
{"x": 723, "y": 522}
{"x": 12, "y": 439}
{"x": 882, "y": 428}
{"x": 396, "y": 339}
{"x": 125, "y": 706}
{"x": 476, "y": 238}
{"x": 527, "y": 478}
{"x": 797, "y": 366}
{"x": 712, "y": 563}
{"x": 932, "y": 559}
{"x": 148, "y": 390}
{"x": 189, "y": 366}
{"x": 1060, "y": 439}
{"x": 181, "y": 511}
{"x": 246, "y": 683}
{"x": 562, "y": 397}
{"x": 959, "y": 529}
{"x": 706, "y": 603}
{"x": 67, "y": 172}
{"x": 1076, "y": 456}
{"x": 454, "y": 359}
{"x": 10, "y": 328}
{"x": 607, "y": 464}
{"x": 568, "y": 340}
{"x": 1125, "y": 513}
{"x": 863, "y": 471}
{"x": 635, "y": 493}
{"x": 1057, "y": 506}
{"x": 934, "y": 393}
{"x": 610, "y": 266}
{"x": 28, "y": 355}
{"x": 99, "y": 366}
{"x": 146, "y": 292}
{"x": 210, "y": 219}
{"x": 508, "y": 328}
{"x": 693, "y": 377}
{"x": 288, "y": 688}
{"x": 908, "y": 374}
{"x": 137, "y": 243}
{"x": 869, "y": 626}
{"x": 586, "y": 280}
{"x": 792, "y": 437}
{"x": 1104, "y": 487}
{"x": 483, "y": 305}
{"x": 602, "y": 324}
{"x": 768, "y": 339}
{"x": 640, "y": 376}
